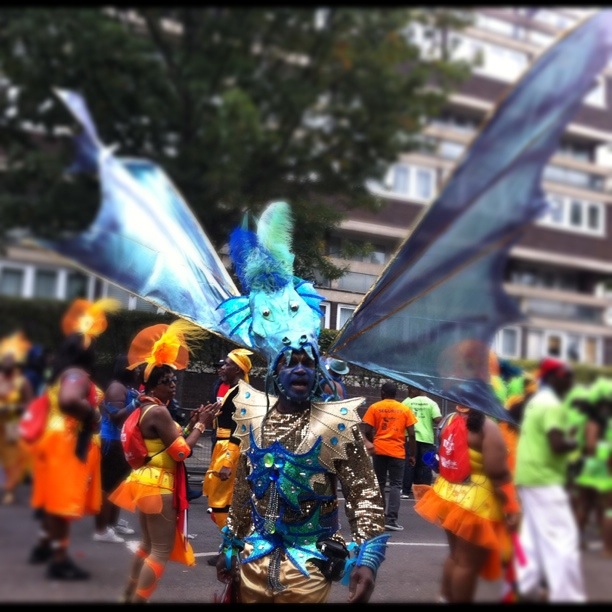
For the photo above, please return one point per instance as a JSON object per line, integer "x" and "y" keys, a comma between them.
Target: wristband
{"x": 200, "y": 427}
{"x": 371, "y": 553}
{"x": 230, "y": 547}
{"x": 511, "y": 504}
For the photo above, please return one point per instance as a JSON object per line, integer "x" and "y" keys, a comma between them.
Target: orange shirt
{"x": 390, "y": 419}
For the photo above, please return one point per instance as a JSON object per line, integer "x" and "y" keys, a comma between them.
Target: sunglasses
{"x": 167, "y": 381}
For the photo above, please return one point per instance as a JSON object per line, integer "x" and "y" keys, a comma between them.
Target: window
{"x": 325, "y": 318}
{"x": 553, "y": 345}
{"x": 570, "y": 347}
{"x": 76, "y": 285}
{"x": 357, "y": 282}
{"x": 343, "y": 314}
{"x": 412, "y": 181}
{"x": 45, "y": 284}
{"x": 507, "y": 343}
{"x": 575, "y": 215}
{"x": 11, "y": 282}
{"x": 401, "y": 182}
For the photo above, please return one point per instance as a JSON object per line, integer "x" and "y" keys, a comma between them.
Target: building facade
{"x": 557, "y": 273}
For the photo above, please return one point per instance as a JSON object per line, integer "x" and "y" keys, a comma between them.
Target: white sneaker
{"x": 108, "y": 536}
{"x": 123, "y": 528}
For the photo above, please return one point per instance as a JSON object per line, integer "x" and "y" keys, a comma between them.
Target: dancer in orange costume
{"x": 158, "y": 489}
{"x": 15, "y": 393}
{"x": 478, "y": 514}
{"x": 66, "y": 458}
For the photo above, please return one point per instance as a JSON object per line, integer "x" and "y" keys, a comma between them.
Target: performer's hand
{"x": 361, "y": 585}
{"x": 224, "y": 473}
{"x": 207, "y": 414}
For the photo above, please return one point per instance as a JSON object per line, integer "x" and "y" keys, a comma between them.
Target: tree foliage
{"x": 239, "y": 106}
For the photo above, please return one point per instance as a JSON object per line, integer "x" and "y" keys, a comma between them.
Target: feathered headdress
{"x": 88, "y": 318}
{"x": 16, "y": 345}
{"x": 164, "y": 344}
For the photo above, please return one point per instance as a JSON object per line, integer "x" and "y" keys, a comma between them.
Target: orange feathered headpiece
{"x": 163, "y": 344}
{"x": 88, "y": 318}
{"x": 16, "y": 345}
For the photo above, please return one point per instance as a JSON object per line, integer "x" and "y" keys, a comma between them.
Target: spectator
{"x": 120, "y": 400}
{"x": 477, "y": 512}
{"x": 337, "y": 369}
{"x": 429, "y": 416}
{"x": 386, "y": 425}
{"x": 548, "y": 534}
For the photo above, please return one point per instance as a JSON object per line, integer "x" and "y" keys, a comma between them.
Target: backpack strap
{"x": 143, "y": 411}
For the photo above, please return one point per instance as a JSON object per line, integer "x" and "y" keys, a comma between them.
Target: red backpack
{"x": 133, "y": 442}
{"x": 34, "y": 419}
{"x": 453, "y": 450}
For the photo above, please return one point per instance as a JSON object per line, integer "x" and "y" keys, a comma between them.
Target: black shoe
{"x": 41, "y": 553}
{"x": 212, "y": 560}
{"x": 193, "y": 494}
{"x": 66, "y": 570}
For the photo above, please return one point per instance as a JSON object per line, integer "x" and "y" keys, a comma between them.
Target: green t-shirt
{"x": 536, "y": 463}
{"x": 426, "y": 410}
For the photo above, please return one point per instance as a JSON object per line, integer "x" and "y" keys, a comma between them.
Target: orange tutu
{"x": 481, "y": 531}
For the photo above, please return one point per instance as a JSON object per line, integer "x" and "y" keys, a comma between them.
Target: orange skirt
{"x": 142, "y": 490}
{"x": 479, "y": 530}
{"x": 62, "y": 484}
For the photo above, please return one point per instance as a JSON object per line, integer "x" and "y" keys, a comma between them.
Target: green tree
{"x": 239, "y": 106}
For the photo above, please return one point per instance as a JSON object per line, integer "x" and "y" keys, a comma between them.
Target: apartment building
{"x": 558, "y": 271}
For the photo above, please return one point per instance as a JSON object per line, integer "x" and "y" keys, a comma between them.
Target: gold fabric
{"x": 304, "y": 589}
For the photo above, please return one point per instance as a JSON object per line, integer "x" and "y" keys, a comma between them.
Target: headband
{"x": 240, "y": 358}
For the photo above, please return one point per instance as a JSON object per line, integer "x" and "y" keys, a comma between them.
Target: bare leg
{"x": 468, "y": 560}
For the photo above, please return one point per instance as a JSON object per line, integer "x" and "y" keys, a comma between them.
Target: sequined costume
{"x": 285, "y": 498}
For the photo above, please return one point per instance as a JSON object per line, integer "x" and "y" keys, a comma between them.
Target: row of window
{"x": 418, "y": 183}
{"x": 548, "y": 343}
{"x": 507, "y": 342}
{"x": 493, "y": 60}
{"x": 28, "y": 281}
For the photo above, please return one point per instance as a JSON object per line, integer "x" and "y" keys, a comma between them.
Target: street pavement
{"x": 410, "y": 573}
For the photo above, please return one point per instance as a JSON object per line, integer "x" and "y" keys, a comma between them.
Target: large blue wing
{"x": 430, "y": 318}
{"x": 145, "y": 238}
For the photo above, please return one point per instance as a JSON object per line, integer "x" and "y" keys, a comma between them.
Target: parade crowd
{"x": 533, "y": 485}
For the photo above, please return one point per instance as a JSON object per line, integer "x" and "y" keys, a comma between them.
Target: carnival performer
{"x": 478, "y": 514}
{"x": 595, "y": 478}
{"x": 282, "y": 543}
{"x": 219, "y": 479}
{"x": 66, "y": 459}
{"x": 548, "y": 533}
{"x": 15, "y": 393}
{"x": 158, "y": 489}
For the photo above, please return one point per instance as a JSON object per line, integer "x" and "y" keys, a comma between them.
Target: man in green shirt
{"x": 429, "y": 416}
{"x": 548, "y": 533}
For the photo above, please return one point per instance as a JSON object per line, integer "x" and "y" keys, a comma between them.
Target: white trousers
{"x": 549, "y": 537}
